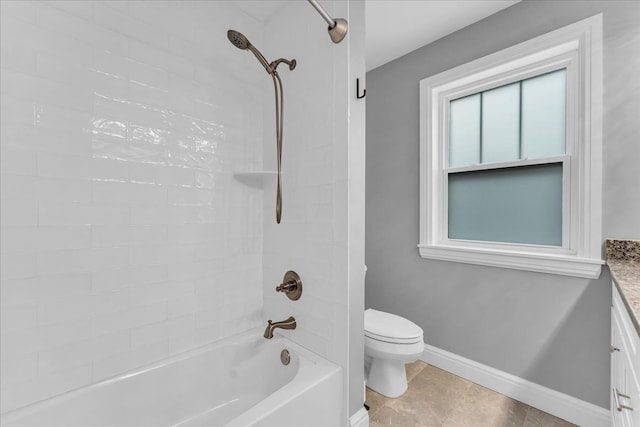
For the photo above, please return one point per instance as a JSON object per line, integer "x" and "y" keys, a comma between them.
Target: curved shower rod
{"x": 337, "y": 27}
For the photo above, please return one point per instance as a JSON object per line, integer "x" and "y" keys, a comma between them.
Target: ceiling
{"x": 397, "y": 27}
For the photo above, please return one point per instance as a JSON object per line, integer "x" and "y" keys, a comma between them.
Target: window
{"x": 510, "y": 156}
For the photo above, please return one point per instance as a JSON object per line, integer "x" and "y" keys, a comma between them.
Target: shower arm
{"x": 271, "y": 67}
{"x": 337, "y": 27}
{"x": 291, "y": 64}
{"x": 323, "y": 13}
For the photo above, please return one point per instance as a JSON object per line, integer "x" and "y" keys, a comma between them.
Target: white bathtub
{"x": 235, "y": 382}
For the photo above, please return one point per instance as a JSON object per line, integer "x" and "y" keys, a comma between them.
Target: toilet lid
{"x": 390, "y": 328}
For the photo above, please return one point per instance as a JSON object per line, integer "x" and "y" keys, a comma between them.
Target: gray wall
{"x": 548, "y": 329}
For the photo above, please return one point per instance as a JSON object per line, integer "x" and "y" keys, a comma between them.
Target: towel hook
{"x": 364, "y": 91}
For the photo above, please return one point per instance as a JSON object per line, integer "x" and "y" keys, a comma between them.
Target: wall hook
{"x": 364, "y": 91}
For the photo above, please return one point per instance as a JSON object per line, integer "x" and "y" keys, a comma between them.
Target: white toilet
{"x": 390, "y": 342}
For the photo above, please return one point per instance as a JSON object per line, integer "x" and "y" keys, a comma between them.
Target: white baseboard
{"x": 553, "y": 402}
{"x": 360, "y": 419}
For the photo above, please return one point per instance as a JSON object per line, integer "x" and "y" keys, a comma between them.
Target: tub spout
{"x": 290, "y": 323}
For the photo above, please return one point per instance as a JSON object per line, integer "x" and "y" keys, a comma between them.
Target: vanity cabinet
{"x": 625, "y": 366}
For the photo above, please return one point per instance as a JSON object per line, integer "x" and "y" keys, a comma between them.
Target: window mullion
{"x": 480, "y": 154}
{"x": 520, "y": 120}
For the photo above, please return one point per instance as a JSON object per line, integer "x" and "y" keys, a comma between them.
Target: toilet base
{"x": 387, "y": 377}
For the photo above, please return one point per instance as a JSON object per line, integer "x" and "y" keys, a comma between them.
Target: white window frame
{"x": 578, "y": 48}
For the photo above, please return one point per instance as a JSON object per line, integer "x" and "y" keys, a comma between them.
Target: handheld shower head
{"x": 238, "y": 39}
{"x": 241, "y": 42}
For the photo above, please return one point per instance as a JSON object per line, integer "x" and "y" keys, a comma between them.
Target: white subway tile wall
{"x": 125, "y": 237}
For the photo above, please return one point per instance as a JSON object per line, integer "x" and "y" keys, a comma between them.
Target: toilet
{"x": 390, "y": 342}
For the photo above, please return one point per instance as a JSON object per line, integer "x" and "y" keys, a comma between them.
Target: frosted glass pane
{"x": 514, "y": 205}
{"x": 464, "y": 131}
{"x": 544, "y": 115}
{"x": 501, "y": 124}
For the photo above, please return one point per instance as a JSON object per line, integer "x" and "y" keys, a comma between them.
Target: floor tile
{"x": 439, "y": 388}
{"x": 375, "y": 401}
{"x": 483, "y": 407}
{"x": 414, "y": 369}
{"x": 389, "y": 417}
{"x": 537, "y": 418}
{"x": 439, "y": 398}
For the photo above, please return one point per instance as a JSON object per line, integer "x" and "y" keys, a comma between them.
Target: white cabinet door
{"x": 625, "y": 367}
{"x": 616, "y": 418}
{"x": 633, "y": 390}
{"x": 620, "y": 418}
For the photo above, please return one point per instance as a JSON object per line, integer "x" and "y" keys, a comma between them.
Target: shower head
{"x": 241, "y": 42}
{"x": 238, "y": 39}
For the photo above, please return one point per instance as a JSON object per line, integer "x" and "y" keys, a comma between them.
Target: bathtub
{"x": 239, "y": 381}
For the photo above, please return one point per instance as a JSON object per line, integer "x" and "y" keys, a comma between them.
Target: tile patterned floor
{"x": 438, "y": 398}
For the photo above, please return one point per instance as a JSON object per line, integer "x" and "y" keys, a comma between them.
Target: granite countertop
{"x": 623, "y": 259}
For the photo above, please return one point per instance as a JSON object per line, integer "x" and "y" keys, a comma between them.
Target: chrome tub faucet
{"x": 290, "y": 323}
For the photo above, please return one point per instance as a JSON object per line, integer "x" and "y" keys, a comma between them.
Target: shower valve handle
{"x": 286, "y": 287}
{"x": 291, "y": 285}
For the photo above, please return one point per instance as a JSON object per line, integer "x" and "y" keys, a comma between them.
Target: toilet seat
{"x": 387, "y": 327}
{"x": 390, "y": 340}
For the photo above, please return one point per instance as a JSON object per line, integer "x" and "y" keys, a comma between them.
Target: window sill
{"x": 564, "y": 265}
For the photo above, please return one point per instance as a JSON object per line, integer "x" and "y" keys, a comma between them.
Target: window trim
{"x": 576, "y": 47}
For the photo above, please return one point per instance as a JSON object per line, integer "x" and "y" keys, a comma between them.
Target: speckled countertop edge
{"x": 623, "y": 259}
